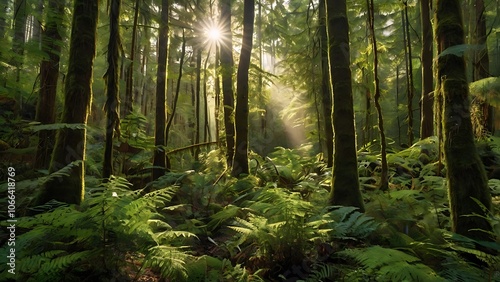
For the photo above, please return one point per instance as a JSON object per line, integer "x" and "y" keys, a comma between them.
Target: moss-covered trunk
{"x": 70, "y": 143}
{"x": 49, "y": 74}
{"x": 240, "y": 160}
{"x": 427, "y": 100}
{"x": 326, "y": 93}
{"x": 345, "y": 182}
{"x": 159, "y": 160}
{"x": 112, "y": 77}
{"x": 466, "y": 176}
{"x": 226, "y": 63}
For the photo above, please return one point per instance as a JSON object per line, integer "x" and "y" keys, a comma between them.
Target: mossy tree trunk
{"x": 482, "y": 64}
{"x": 70, "y": 143}
{"x": 384, "y": 181}
{"x": 159, "y": 160}
{"x": 226, "y": 63}
{"x": 326, "y": 93}
{"x": 240, "y": 160}
{"x": 345, "y": 183}
{"x": 466, "y": 175}
{"x": 112, "y": 78}
{"x": 427, "y": 100}
{"x": 49, "y": 74}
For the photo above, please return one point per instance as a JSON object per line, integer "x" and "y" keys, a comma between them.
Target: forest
{"x": 268, "y": 140}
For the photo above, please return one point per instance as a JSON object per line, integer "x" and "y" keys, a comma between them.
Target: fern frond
{"x": 392, "y": 265}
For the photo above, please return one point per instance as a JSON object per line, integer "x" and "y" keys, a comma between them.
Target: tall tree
{"x": 226, "y": 63}
{"x": 384, "y": 181}
{"x": 345, "y": 183}
{"x": 325, "y": 84}
{"x": 18, "y": 39}
{"x": 49, "y": 74}
{"x": 409, "y": 71}
{"x": 466, "y": 176}
{"x": 112, "y": 78}
{"x": 482, "y": 64}
{"x": 240, "y": 160}
{"x": 161, "y": 78}
{"x": 71, "y": 142}
{"x": 129, "y": 80}
{"x": 426, "y": 106}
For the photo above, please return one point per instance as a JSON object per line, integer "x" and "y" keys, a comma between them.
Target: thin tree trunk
{"x": 384, "y": 181}
{"x": 325, "y": 85}
{"x": 49, "y": 75}
{"x": 70, "y": 143}
{"x": 161, "y": 74}
{"x": 226, "y": 62}
{"x": 217, "y": 91}
{"x": 129, "y": 83}
{"x": 112, "y": 89}
{"x": 482, "y": 64}
{"x": 240, "y": 161}
{"x": 466, "y": 176}
{"x": 345, "y": 183}
{"x": 18, "y": 42}
{"x": 197, "y": 103}
{"x": 177, "y": 91}
{"x": 409, "y": 71}
{"x": 427, "y": 100}
{"x": 206, "y": 127}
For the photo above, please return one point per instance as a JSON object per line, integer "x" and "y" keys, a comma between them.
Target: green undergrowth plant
{"x": 277, "y": 229}
{"x": 99, "y": 239}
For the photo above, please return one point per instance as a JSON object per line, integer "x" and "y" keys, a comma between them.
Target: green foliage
{"x": 391, "y": 265}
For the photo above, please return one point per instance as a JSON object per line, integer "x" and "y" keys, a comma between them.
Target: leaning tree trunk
{"x": 325, "y": 85}
{"x": 226, "y": 63}
{"x": 240, "y": 160}
{"x": 466, "y": 175}
{"x": 384, "y": 181}
{"x": 112, "y": 77}
{"x": 427, "y": 100}
{"x": 345, "y": 183}
{"x": 70, "y": 143}
{"x": 161, "y": 74}
{"x": 49, "y": 74}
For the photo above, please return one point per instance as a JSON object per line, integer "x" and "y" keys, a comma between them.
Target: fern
{"x": 391, "y": 264}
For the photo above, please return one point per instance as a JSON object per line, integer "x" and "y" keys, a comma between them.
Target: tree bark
{"x": 240, "y": 160}
{"x": 325, "y": 85}
{"x": 112, "y": 89}
{"x": 70, "y": 143}
{"x": 161, "y": 73}
{"x": 466, "y": 176}
{"x": 384, "y": 181}
{"x": 226, "y": 62}
{"x": 345, "y": 183}
{"x": 49, "y": 75}
{"x": 129, "y": 84}
{"x": 427, "y": 100}
{"x": 482, "y": 64}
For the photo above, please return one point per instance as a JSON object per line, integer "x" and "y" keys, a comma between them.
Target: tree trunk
{"x": 161, "y": 74}
{"x": 482, "y": 64}
{"x": 226, "y": 62}
{"x": 197, "y": 116}
{"x": 466, "y": 176}
{"x": 70, "y": 143}
{"x": 129, "y": 85}
{"x": 49, "y": 75}
{"x": 325, "y": 85}
{"x": 112, "y": 81}
{"x": 240, "y": 161}
{"x": 18, "y": 42}
{"x": 384, "y": 181}
{"x": 176, "y": 97}
{"x": 409, "y": 72}
{"x": 427, "y": 100}
{"x": 345, "y": 183}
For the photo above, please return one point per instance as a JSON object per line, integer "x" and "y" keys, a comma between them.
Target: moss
{"x": 466, "y": 175}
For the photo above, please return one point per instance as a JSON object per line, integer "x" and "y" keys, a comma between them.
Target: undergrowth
{"x": 272, "y": 225}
